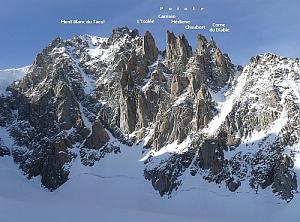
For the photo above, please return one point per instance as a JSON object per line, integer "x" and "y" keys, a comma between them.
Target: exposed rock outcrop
{"x": 285, "y": 182}
{"x": 98, "y": 137}
{"x": 205, "y": 108}
{"x": 150, "y": 50}
{"x": 178, "y": 84}
{"x": 178, "y": 51}
{"x": 174, "y": 125}
{"x": 4, "y": 151}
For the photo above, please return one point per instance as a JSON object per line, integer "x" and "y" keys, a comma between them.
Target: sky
{"x": 256, "y": 26}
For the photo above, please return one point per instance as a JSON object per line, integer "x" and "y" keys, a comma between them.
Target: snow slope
{"x": 115, "y": 190}
{"x": 7, "y": 76}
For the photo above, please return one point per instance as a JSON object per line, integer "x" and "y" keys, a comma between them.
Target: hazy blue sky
{"x": 257, "y": 26}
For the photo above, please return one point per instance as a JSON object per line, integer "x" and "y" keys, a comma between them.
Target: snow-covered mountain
{"x": 7, "y": 76}
{"x": 99, "y": 119}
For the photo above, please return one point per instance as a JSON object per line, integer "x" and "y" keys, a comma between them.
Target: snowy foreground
{"x": 115, "y": 190}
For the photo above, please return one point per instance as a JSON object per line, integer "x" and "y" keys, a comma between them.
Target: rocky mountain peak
{"x": 212, "y": 43}
{"x": 149, "y": 48}
{"x": 195, "y": 114}
{"x": 177, "y": 49}
{"x": 209, "y": 64}
{"x": 121, "y": 32}
{"x": 201, "y": 44}
{"x": 56, "y": 41}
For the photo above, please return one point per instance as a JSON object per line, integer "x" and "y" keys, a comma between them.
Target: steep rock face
{"x": 68, "y": 111}
{"x": 42, "y": 117}
{"x": 210, "y": 156}
{"x": 165, "y": 180}
{"x": 178, "y": 51}
{"x": 195, "y": 112}
{"x": 243, "y": 138}
{"x": 149, "y": 48}
{"x": 58, "y": 106}
{"x": 174, "y": 125}
{"x": 98, "y": 136}
{"x": 285, "y": 182}
{"x": 120, "y": 32}
{"x": 266, "y": 112}
{"x": 179, "y": 83}
{"x": 5, "y": 111}
{"x": 147, "y": 107}
{"x": 4, "y": 151}
{"x": 210, "y": 65}
{"x": 52, "y": 171}
{"x": 127, "y": 103}
{"x": 191, "y": 88}
{"x": 205, "y": 107}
